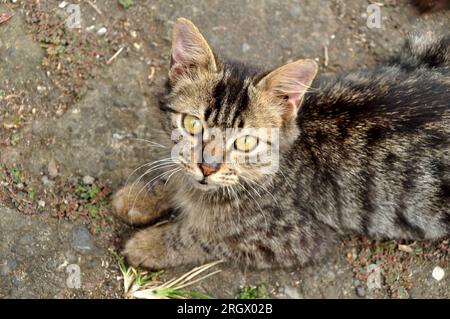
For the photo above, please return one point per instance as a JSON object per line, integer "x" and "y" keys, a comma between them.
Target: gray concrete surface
{"x": 95, "y": 133}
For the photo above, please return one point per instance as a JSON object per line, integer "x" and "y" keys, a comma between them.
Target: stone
{"x": 102, "y": 31}
{"x": 292, "y": 292}
{"x": 438, "y": 273}
{"x": 88, "y": 180}
{"x": 81, "y": 239}
{"x": 360, "y": 291}
{"x": 45, "y": 180}
{"x": 52, "y": 169}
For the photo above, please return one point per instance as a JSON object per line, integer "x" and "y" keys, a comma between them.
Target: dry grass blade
{"x": 144, "y": 285}
{"x": 191, "y": 274}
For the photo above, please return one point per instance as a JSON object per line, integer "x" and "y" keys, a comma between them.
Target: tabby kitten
{"x": 365, "y": 152}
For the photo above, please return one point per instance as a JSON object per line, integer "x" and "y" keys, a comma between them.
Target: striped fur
{"x": 368, "y": 153}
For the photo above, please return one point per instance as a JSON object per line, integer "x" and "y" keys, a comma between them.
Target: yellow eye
{"x": 192, "y": 124}
{"x": 246, "y": 143}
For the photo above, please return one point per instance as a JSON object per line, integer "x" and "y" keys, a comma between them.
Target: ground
{"x": 73, "y": 113}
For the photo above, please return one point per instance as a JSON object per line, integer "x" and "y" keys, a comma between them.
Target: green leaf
{"x": 126, "y": 4}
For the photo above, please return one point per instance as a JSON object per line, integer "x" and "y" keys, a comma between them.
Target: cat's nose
{"x": 209, "y": 168}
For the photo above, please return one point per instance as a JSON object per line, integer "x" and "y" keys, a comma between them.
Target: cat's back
{"x": 388, "y": 98}
{"x": 409, "y": 93}
{"x": 377, "y": 146}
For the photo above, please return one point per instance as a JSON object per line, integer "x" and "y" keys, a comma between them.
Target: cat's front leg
{"x": 164, "y": 246}
{"x": 136, "y": 205}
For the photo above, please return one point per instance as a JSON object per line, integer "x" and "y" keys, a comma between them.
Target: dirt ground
{"x": 75, "y": 102}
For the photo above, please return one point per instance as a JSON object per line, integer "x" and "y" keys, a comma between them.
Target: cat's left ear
{"x": 189, "y": 50}
{"x": 289, "y": 84}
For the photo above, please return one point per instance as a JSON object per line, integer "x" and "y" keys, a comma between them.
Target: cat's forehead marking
{"x": 230, "y": 96}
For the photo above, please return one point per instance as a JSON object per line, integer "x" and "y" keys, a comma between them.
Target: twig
{"x": 5, "y": 17}
{"x": 115, "y": 55}
{"x": 152, "y": 73}
{"x": 325, "y": 55}
{"x": 95, "y": 7}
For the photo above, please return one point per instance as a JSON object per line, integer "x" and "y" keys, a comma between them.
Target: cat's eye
{"x": 192, "y": 124}
{"x": 246, "y": 143}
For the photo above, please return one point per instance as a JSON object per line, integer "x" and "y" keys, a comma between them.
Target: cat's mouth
{"x": 204, "y": 184}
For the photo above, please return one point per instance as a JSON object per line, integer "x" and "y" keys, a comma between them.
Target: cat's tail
{"x": 424, "y": 49}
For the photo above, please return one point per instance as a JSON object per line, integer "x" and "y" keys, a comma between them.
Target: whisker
{"x": 148, "y": 141}
{"x": 236, "y": 197}
{"x": 161, "y": 165}
{"x": 260, "y": 208}
{"x": 262, "y": 187}
{"x": 151, "y": 169}
{"x": 156, "y": 179}
{"x": 146, "y": 164}
{"x": 179, "y": 169}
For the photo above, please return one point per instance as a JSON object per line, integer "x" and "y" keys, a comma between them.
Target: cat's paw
{"x": 134, "y": 205}
{"x": 147, "y": 249}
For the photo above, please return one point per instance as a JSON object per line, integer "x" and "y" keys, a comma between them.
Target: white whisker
{"x": 156, "y": 179}
{"x": 148, "y": 141}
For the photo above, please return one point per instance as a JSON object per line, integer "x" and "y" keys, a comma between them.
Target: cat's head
{"x": 228, "y": 115}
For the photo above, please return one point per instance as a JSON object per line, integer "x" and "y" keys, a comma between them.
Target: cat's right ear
{"x": 189, "y": 50}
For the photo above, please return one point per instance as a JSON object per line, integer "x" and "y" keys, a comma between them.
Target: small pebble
{"x": 88, "y": 180}
{"x": 360, "y": 291}
{"x": 45, "y": 180}
{"x": 101, "y": 31}
{"x": 41, "y": 203}
{"x": 52, "y": 169}
{"x": 291, "y": 292}
{"x": 137, "y": 46}
{"x": 20, "y": 186}
{"x": 405, "y": 248}
{"x": 62, "y": 5}
{"x": 438, "y": 273}
{"x": 90, "y": 28}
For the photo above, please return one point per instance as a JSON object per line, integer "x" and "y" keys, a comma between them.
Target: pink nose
{"x": 208, "y": 170}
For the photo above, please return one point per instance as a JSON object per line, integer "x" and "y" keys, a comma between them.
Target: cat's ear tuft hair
{"x": 290, "y": 83}
{"x": 189, "y": 50}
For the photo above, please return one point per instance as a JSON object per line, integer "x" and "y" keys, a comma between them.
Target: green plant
{"x": 86, "y": 192}
{"x": 126, "y": 4}
{"x": 16, "y": 174}
{"x": 255, "y": 292}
